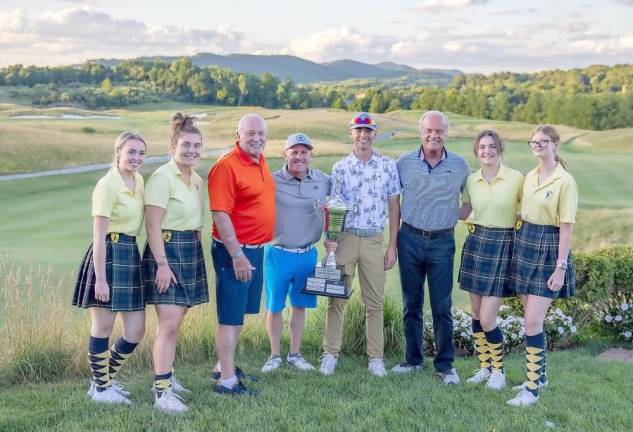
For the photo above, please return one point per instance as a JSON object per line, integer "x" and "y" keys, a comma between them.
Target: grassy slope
{"x": 584, "y": 394}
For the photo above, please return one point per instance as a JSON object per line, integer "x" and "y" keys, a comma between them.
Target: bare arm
{"x": 394, "y": 223}
{"x": 99, "y": 233}
{"x": 557, "y": 279}
{"x": 153, "y": 218}
{"x": 241, "y": 265}
{"x": 465, "y": 210}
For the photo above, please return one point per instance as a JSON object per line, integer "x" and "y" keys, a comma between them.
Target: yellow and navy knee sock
{"x": 534, "y": 356}
{"x": 162, "y": 382}
{"x": 98, "y": 359}
{"x": 543, "y": 378}
{"x": 494, "y": 339}
{"x": 119, "y": 353}
{"x": 481, "y": 347}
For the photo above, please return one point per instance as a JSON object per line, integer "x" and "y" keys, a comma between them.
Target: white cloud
{"x": 426, "y": 5}
{"x": 75, "y": 34}
{"x": 339, "y": 43}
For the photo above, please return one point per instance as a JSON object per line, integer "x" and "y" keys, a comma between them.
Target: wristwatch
{"x": 561, "y": 265}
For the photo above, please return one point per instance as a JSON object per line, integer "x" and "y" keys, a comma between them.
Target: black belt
{"x": 427, "y": 234}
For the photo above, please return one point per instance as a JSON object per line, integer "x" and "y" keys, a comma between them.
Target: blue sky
{"x": 471, "y": 35}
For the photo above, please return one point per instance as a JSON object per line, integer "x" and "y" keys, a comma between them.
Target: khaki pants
{"x": 369, "y": 254}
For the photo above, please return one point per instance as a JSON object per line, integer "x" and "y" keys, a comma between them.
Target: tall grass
{"x": 46, "y": 338}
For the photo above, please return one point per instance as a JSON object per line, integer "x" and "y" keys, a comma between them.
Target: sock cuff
{"x": 476, "y": 326}
{"x": 494, "y": 335}
{"x": 97, "y": 345}
{"x": 537, "y": 340}
{"x": 164, "y": 376}
{"x": 124, "y": 347}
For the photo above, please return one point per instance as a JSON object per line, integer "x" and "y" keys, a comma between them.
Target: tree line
{"x": 597, "y": 97}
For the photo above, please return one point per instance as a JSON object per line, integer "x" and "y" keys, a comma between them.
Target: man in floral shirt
{"x": 368, "y": 183}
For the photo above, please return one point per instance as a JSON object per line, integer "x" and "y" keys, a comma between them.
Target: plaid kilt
{"x": 186, "y": 260}
{"x": 123, "y": 274}
{"x": 534, "y": 260}
{"x": 486, "y": 258}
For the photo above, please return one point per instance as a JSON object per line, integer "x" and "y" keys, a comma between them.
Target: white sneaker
{"x": 328, "y": 364}
{"x": 297, "y": 361}
{"x": 109, "y": 395}
{"x": 177, "y": 387}
{"x": 117, "y": 386}
{"x": 449, "y": 377}
{"x": 523, "y": 385}
{"x": 377, "y": 367}
{"x": 170, "y": 403}
{"x": 271, "y": 364}
{"x": 480, "y": 376}
{"x": 405, "y": 368}
{"x": 523, "y": 399}
{"x": 497, "y": 380}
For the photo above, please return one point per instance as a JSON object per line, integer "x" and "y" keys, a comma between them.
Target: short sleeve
{"x": 521, "y": 182}
{"x": 337, "y": 180}
{"x": 158, "y": 190}
{"x": 394, "y": 179}
{"x": 103, "y": 198}
{"x": 466, "y": 193}
{"x": 568, "y": 201}
{"x": 222, "y": 188}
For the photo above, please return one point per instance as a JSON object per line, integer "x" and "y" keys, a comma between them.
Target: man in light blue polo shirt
{"x": 432, "y": 180}
{"x": 291, "y": 257}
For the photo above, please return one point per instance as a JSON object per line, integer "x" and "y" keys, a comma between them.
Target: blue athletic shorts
{"x": 234, "y": 299}
{"x": 286, "y": 275}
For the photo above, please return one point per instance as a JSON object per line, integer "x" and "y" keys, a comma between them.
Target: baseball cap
{"x": 363, "y": 120}
{"x": 298, "y": 138}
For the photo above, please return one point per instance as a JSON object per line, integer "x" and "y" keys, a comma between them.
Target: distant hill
{"x": 306, "y": 71}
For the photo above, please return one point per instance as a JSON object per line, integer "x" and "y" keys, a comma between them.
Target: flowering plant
{"x": 559, "y": 328}
{"x": 617, "y": 318}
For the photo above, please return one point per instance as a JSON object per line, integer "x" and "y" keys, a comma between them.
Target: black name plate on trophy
{"x": 327, "y": 282}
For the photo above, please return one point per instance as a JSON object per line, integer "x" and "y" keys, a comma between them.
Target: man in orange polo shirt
{"x": 242, "y": 196}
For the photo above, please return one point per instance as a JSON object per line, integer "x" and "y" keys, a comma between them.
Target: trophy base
{"x": 327, "y": 282}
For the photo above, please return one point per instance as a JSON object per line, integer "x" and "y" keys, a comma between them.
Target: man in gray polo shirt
{"x": 291, "y": 257}
{"x": 432, "y": 180}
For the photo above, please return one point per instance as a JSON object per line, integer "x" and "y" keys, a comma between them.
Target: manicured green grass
{"x": 585, "y": 394}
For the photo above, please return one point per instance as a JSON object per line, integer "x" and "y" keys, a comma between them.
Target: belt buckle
{"x": 114, "y": 237}
{"x": 471, "y": 228}
{"x": 166, "y": 236}
{"x": 426, "y": 234}
{"x": 518, "y": 224}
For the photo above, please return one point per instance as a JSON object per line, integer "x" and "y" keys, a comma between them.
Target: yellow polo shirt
{"x": 111, "y": 198}
{"x": 553, "y": 202}
{"x": 182, "y": 203}
{"x": 494, "y": 205}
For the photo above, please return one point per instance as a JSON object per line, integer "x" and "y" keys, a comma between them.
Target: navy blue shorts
{"x": 234, "y": 299}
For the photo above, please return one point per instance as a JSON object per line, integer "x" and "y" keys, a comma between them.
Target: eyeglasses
{"x": 364, "y": 119}
{"x": 541, "y": 143}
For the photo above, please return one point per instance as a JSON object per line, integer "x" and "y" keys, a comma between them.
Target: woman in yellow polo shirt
{"x": 173, "y": 262}
{"x": 542, "y": 268}
{"x": 109, "y": 278}
{"x": 490, "y": 202}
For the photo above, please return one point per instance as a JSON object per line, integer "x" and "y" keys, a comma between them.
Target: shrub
{"x": 617, "y": 318}
{"x": 88, "y": 129}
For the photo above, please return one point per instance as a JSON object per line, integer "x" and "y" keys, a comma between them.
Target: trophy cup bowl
{"x": 327, "y": 279}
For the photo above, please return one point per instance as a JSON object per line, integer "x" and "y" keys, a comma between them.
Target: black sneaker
{"x": 239, "y": 373}
{"x": 238, "y": 389}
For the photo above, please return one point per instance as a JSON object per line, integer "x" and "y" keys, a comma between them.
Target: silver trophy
{"x": 333, "y": 211}
{"x": 327, "y": 279}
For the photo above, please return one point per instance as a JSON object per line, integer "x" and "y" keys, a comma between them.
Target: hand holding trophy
{"x": 328, "y": 278}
